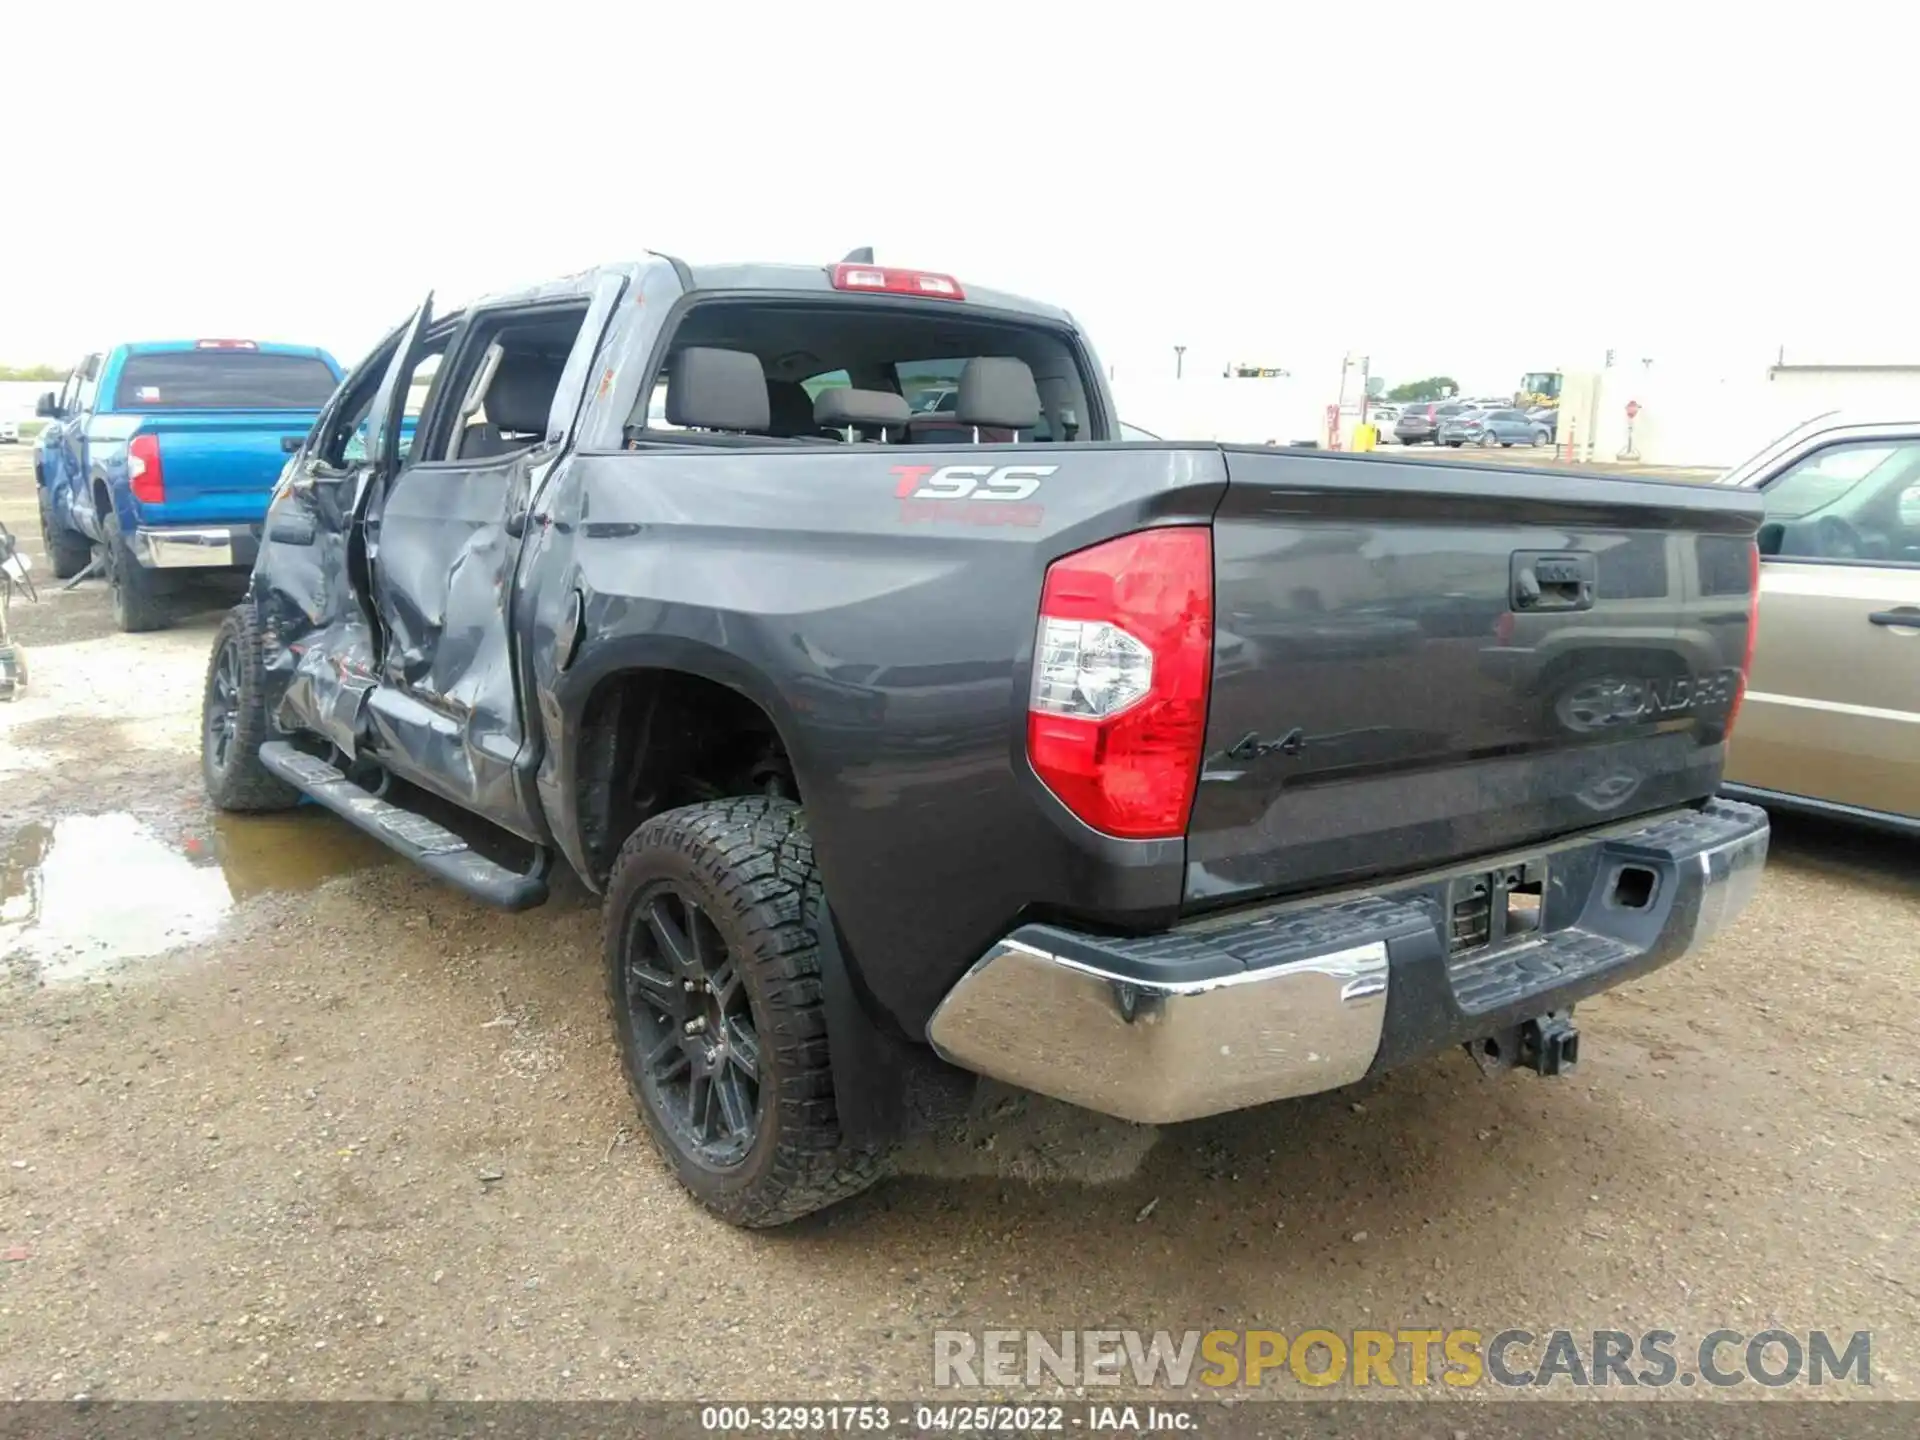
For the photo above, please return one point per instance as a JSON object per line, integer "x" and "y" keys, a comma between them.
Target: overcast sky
{"x": 1477, "y": 188}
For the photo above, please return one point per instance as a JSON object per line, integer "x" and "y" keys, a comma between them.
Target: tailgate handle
{"x": 1553, "y": 580}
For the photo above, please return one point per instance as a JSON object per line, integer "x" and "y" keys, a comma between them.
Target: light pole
{"x": 1179, "y": 361}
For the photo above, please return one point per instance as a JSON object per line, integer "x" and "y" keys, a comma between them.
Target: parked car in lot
{"x": 164, "y": 453}
{"x": 1504, "y": 427}
{"x": 1420, "y": 422}
{"x": 9, "y": 432}
{"x": 904, "y": 755}
{"x": 1383, "y": 418}
{"x": 1833, "y": 720}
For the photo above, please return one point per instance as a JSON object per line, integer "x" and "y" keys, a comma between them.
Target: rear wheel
{"x": 67, "y": 552}
{"x": 137, "y": 603}
{"x": 1539, "y": 438}
{"x": 233, "y": 722}
{"x": 713, "y": 974}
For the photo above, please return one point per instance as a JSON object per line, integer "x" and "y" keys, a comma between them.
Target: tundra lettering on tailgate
{"x": 970, "y": 494}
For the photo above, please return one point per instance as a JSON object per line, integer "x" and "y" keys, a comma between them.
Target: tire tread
{"x": 245, "y": 786}
{"x": 137, "y": 609}
{"x": 757, "y": 857}
{"x": 67, "y": 552}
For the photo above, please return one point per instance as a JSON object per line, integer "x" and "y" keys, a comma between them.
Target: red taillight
{"x": 884, "y": 280}
{"x": 144, "y": 476}
{"x": 1123, "y": 657}
{"x": 1753, "y": 633}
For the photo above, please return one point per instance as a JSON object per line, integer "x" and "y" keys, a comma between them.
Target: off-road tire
{"x": 137, "y": 604}
{"x": 67, "y": 552}
{"x": 749, "y": 864}
{"x": 242, "y": 783}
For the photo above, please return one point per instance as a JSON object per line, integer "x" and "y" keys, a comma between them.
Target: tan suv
{"x": 1831, "y": 721}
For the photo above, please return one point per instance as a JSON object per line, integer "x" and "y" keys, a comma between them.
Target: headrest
{"x": 790, "y": 408}
{"x": 860, "y": 407}
{"x": 996, "y": 390}
{"x": 520, "y": 395}
{"x": 945, "y": 430}
{"x": 709, "y": 389}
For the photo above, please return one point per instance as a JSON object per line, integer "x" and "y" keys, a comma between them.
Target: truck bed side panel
{"x": 1381, "y": 700}
{"x": 889, "y": 639}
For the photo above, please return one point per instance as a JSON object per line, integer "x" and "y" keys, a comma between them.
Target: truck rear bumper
{"x": 1312, "y": 995}
{"x": 182, "y": 547}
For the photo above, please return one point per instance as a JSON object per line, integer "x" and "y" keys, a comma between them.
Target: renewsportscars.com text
{"x": 1407, "y": 1358}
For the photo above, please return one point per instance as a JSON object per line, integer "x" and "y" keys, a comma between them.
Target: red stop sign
{"x": 1633, "y": 408}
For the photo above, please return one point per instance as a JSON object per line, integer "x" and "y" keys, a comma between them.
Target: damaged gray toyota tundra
{"x": 914, "y": 728}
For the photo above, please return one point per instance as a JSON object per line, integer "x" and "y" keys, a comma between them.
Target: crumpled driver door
{"x": 311, "y": 584}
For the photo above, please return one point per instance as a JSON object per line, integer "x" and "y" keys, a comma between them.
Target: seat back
{"x": 519, "y": 401}
{"x": 713, "y": 389}
{"x": 882, "y": 412}
{"x": 790, "y": 409}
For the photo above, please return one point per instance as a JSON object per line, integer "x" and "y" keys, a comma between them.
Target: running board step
{"x": 423, "y": 841}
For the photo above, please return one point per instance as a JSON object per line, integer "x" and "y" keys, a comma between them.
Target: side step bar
{"x": 423, "y": 841}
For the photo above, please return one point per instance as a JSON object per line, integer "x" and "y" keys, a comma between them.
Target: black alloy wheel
{"x": 688, "y": 1005}
{"x": 223, "y": 703}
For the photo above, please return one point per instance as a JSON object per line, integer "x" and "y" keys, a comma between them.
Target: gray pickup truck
{"x": 913, "y": 742}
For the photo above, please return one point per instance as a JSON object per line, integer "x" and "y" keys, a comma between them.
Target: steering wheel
{"x": 1838, "y": 539}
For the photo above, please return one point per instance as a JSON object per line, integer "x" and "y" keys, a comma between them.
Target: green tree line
{"x": 32, "y": 372}
{"x": 1434, "y": 387}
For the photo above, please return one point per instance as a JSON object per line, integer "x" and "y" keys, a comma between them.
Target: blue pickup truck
{"x": 163, "y": 455}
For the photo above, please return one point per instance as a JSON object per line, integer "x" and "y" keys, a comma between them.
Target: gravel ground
{"x": 280, "y": 1117}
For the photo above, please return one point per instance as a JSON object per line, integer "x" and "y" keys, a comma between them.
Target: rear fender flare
{"x": 601, "y": 660}
{"x": 886, "y": 1083}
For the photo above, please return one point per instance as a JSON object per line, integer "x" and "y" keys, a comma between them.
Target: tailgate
{"x": 1416, "y": 664}
{"x": 220, "y": 465}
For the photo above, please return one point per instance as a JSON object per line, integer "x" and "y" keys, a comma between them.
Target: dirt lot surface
{"x": 281, "y": 1117}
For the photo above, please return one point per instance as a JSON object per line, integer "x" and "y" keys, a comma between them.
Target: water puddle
{"x": 84, "y": 893}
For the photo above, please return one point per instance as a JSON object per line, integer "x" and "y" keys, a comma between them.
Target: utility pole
{"x": 1179, "y": 361}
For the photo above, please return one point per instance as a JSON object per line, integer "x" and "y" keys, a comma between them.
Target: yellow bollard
{"x": 1365, "y": 436}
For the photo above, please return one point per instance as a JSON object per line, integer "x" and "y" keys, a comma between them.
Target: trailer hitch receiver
{"x": 1550, "y": 1045}
{"x": 1547, "y": 1044}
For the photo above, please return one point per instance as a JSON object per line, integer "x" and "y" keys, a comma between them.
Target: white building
{"x": 1711, "y": 415}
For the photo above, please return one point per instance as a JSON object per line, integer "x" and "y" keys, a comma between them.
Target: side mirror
{"x": 48, "y": 406}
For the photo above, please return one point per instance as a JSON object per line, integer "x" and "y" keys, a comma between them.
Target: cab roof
{"x": 816, "y": 280}
{"x": 262, "y": 347}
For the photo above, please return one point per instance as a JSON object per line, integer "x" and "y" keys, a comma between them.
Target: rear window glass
{"x": 807, "y": 348}
{"x": 223, "y": 380}
{"x": 932, "y": 387}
